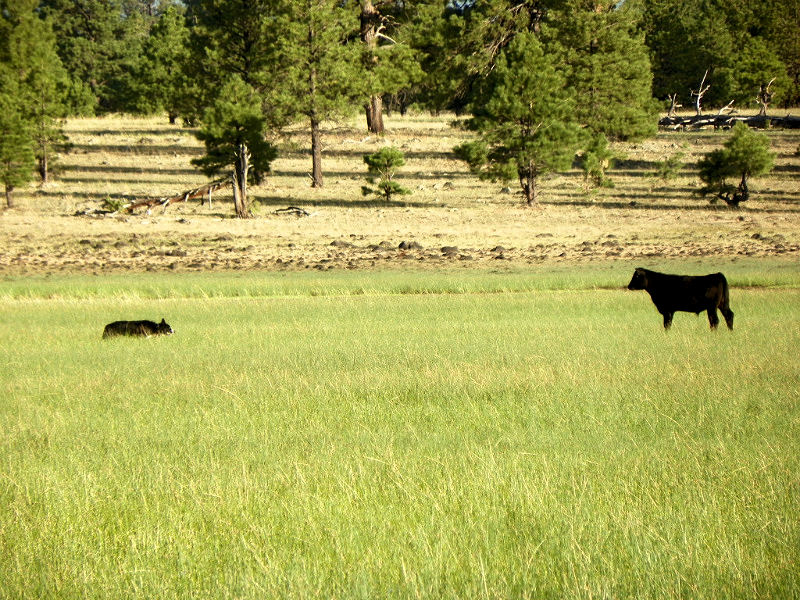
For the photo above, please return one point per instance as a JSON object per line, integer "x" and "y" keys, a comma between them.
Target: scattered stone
{"x": 449, "y": 250}
{"x": 175, "y": 252}
{"x": 404, "y": 245}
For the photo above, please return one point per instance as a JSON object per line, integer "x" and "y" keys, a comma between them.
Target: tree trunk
{"x": 316, "y": 153}
{"x": 43, "y": 172}
{"x": 528, "y": 181}
{"x": 374, "y": 112}
{"x": 316, "y": 141}
{"x": 743, "y": 193}
{"x": 241, "y": 167}
{"x": 371, "y": 23}
{"x": 9, "y": 202}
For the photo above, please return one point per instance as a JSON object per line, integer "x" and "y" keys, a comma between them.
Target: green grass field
{"x": 391, "y": 435}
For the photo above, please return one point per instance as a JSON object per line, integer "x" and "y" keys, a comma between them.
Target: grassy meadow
{"x": 499, "y": 436}
{"x": 337, "y": 416}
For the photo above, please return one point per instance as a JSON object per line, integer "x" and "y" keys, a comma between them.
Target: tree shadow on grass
{"x": 118, "y": 169}
{"x": 702, "y": 206}
{"x": 140, "y": 149}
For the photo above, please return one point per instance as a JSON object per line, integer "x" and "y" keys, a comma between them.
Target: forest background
{"x": 242, "y": 72}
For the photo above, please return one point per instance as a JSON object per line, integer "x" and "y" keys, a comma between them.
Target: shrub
{"x": 746, "y": 154}
{"x": 384, "y": 165}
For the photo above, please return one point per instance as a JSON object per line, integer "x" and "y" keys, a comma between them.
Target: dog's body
{"x": 137, "y": 328}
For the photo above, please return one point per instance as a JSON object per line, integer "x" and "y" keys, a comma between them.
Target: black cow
{"x": 688, "y": 293}
{"x": 137, "y": 328}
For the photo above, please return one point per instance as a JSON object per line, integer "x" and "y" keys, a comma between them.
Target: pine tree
{"x": 318, "y": 67}
{"x": 16, "y": 143}
{"x": 609, "y": 69}
{"x": 232, "y": 128}
{"x": 161, "y": 81}
{"x": 231, "y": 37}
{"x": 746, "y": 154}
{"x": 524, "y": 119}
{"x": 40, "y": 81}
{"x": 388, "y": 64}
{"x": 383, "y": 166}
{"x": 462, "y": 40}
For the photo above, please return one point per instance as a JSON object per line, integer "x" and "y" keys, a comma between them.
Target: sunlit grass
{"x": 545, "y": 442}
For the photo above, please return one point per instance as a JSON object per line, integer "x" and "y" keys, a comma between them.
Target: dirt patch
{"x": 500, "y": 237}
{"x": 452, "y": 220}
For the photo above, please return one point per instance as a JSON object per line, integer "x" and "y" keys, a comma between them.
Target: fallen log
{"x": 720, "y": 121}
{"x": 204, "y": 191}
{"x": 293, "y": 210}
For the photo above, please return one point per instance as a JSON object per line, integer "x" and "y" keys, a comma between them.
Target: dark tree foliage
{"x": 98, "y": 45}
{"x": 607, "y": 67}
{"x": 463, "y": 41}
{"x": 741, "y": 44}
{"x": 525, "y": 119}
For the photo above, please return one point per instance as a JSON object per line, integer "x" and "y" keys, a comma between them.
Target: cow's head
{"x": 639, "y": 280}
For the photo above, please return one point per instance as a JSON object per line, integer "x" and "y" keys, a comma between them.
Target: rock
{"x": 404, "y": 245}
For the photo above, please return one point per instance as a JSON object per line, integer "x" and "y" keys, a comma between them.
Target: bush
{"x": 383, "y": 165}
{"x": 596, "y": 159}
{"x": 746, "y": 154}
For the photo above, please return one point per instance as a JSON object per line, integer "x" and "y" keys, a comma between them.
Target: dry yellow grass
{"x": 640, "y": 218}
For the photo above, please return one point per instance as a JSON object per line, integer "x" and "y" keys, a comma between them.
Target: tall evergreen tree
{"x": 232, "y": 126}
{"x": 40, "y": 82}
{"x": 525, "y": 118}
{"x": 16, "y": 141}
{"x": 609, "y": 69}
{"x": 389, "y": 64}
{"x": 318, "y": 66}
{"x": 161, "y": 80}
{"x": 231, "y": 37}
{"x": 464, "y": 40}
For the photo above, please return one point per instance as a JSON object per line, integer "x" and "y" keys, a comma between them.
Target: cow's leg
{"x": 713, "y": 318}
{"x": 728, "y": 314}
{"x": 667, "y": 319}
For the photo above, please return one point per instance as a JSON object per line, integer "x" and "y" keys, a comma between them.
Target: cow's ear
{"x": 163, "y": 321}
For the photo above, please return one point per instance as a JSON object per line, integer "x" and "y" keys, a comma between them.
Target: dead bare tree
{"x": 673, "y": 104}
{"x": 727, "y": 108}
{"x": 764, "y": 97}
{"x": 242, "y": 166}
{"x": 202, "y": 192}
{"x": 698, "y": 94}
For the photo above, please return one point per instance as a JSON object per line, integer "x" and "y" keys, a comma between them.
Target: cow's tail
{"x": 725, "y": 302}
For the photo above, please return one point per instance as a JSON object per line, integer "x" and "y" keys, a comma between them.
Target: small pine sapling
{"x": 596, "y": 159}
{"x": 746, "y": 154}
{"x": 383, "y": 166}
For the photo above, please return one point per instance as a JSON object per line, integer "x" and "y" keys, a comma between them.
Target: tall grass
{"x": 776, "y": 272}
{"x": 551, "y": 443}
